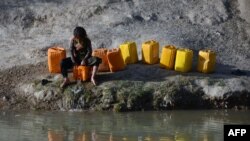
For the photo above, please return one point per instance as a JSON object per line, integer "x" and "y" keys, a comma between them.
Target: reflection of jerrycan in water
{"x": 166, "y": 139}
{"x": 182, "y": 137}
{"x": 55, "y": 136}
{"x": 205, "y": 138}
{"x": 82, "y": 137}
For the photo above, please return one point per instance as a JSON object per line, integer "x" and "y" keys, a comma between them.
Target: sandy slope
{"x": 29, "y": 27}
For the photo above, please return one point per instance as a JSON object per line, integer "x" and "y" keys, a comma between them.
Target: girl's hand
{"x": 78, "y": 46}
{"x": 74, "y": 63}
{"x": 83, "y": 63}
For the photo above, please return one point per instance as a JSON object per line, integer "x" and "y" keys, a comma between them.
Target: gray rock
{"x": 5, "y": 98}
{"x": 244, "y": 9}
{"x": 49, "y": 95}
{"x": 77, "y": 90}
{"x": 40, "y": 95}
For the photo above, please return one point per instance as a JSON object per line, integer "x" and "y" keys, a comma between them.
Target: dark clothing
{"x": 82, "y": 54}
{"x": 66, "y": 65}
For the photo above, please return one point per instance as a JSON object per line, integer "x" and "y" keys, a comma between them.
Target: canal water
{"x": 188, "y": 125}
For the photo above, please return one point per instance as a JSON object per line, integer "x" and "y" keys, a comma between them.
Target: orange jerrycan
{"x": 129, "y": 52}
{"x": 81, "y": 72}
{"x": 55, "y": 56}
{"x": 115, "y": 60}
{"x": 150, "y": 52}
{"x": 168, "y": 57}
{"x": 206, "y": 61}
{"x": 183, "y": 60}
{"x": 102, "y": 53}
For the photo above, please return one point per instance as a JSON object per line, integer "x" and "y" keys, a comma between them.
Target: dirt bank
{"x": 11, "y": 78}
{"x": 138, "y": 87}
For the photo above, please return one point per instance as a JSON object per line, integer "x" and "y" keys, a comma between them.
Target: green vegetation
{"x": 124, "y": 95}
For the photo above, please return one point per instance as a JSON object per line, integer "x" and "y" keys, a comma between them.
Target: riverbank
{"x": 29, "y": 28}
{"x": 139, "y": 87}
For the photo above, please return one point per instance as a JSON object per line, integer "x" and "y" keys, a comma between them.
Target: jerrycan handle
{"x": 57, "y": 48}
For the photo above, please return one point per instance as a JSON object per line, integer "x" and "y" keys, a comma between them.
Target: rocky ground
{"x": 29, "y": 27}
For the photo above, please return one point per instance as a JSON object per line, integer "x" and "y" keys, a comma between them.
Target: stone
{"x": 40, "y": 95}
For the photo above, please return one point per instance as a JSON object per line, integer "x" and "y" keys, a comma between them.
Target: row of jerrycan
{"x": 111, "y": 61}
{"x": 116, "y": 59}
{"x": 171, "y": 57}
{"x": 181, "y": 59}
{"x": 56, "y": 55}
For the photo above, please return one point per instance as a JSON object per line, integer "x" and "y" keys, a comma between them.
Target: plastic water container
{"x": 129, "y": 52}
{"x": 183, "y": 61}
{"x": 115, "y": 60}
{"x": 150, "y": 52}
{"x": 81, "y": 72}
{"x": 206, "y": 61}
{"x": 55, "y": 56}
{"x": 168, "y": 57}
{"x": 102, "y": 53}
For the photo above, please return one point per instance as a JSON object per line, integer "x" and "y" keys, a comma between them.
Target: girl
{"x": 81, "y": 51}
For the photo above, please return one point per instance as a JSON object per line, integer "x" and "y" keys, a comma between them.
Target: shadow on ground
{"x": 153, "y": 73}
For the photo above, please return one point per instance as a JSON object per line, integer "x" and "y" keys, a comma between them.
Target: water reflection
{"x": 55, "y": 136}
{"x": 84, "y": 136}
{"x": 108, "y": 126}
{"x": 93, "y": 136}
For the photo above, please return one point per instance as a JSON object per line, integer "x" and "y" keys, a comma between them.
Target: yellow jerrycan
{"x": 129, "y": 52}
{"x": 150, "y": 52}
{"x": 206, "y": 61}
{"x": 184, "y": 58}
{"x": 167, "y": 59}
